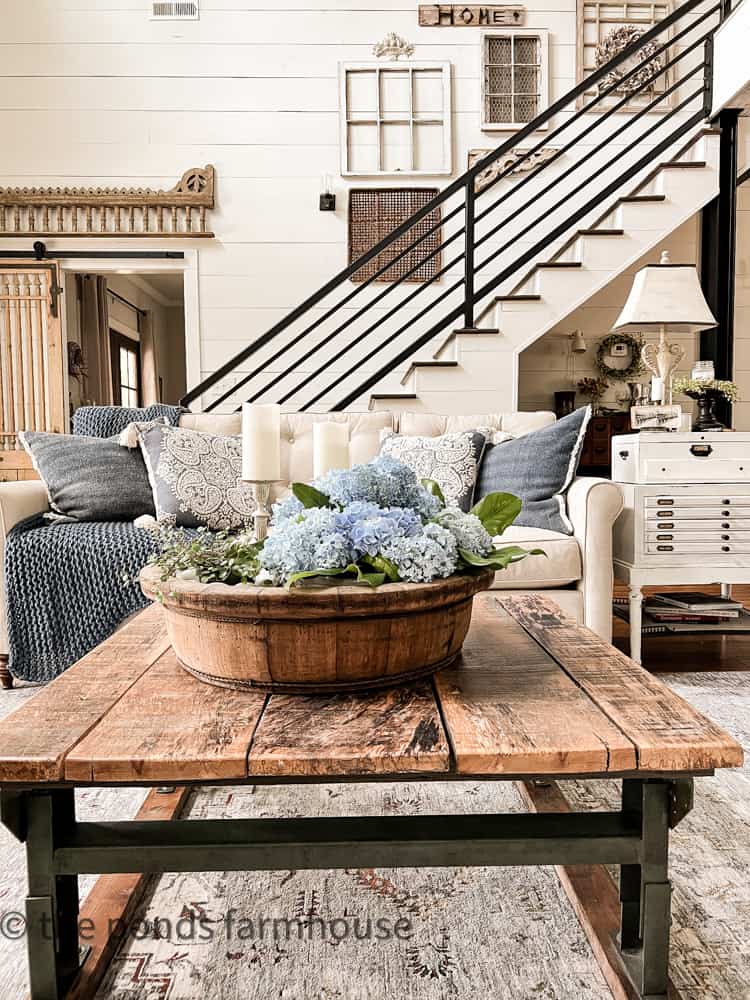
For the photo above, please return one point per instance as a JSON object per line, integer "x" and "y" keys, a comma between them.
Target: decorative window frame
{"x": 641, "y": 13}
{"x": 543, "y": 35}
{"x": 382, "y": 117}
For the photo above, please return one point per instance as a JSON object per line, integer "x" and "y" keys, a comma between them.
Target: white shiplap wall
{"x": 95, "y": 93}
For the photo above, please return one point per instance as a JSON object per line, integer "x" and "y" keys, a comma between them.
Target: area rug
{"x": 466, "y": 934}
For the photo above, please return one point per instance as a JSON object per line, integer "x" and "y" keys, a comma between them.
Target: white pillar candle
{"x": 657, "y": 389}
{"x": 261, "y": 442}
{"x": 330, "y": 447}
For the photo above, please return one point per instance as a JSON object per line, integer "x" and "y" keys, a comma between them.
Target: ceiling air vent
{"x": 174, "y": 10}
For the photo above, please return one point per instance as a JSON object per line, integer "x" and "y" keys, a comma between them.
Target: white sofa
{"x": 577, "y": 572}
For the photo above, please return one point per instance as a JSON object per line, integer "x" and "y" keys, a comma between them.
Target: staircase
{"x": 514, "y": 253}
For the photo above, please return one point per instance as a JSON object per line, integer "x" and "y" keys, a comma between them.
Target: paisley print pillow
{"x": 451, "y": 460}
{"x": 196, "y": 478}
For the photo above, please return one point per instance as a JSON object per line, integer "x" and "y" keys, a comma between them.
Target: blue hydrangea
{"x": 314, "y": 540}
{"x": 467, "y": 529}
{"x": 371, "y": 527}
{"x": 430, "y": 555}
{"x": 288, "y": 506}
{"x": 384, "y": 481}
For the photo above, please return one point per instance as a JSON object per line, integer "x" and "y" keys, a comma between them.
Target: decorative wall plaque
{"x": 393, "y": 46}
{"x": 374, "y": 213}
{"x": 454, "y": 15}
{"x": 179, "y": 212}
{"x": 502, "y": 163}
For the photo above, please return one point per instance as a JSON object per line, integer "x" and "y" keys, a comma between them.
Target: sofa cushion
{"x": 451, "y": 460}
{"x": 90, "y": 478}
{"x": 433, "y": 424}
{"x": 539, "y": 468}
{"x": 196, "y": 478}
{"x": 560, "y": 566}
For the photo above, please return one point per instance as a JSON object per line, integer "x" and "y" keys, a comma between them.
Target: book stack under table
{"x": 688, "y": 611}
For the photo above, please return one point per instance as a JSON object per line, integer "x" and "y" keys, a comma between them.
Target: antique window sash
{"x": 381, "y": 104}
{"x": 517, "y": 64}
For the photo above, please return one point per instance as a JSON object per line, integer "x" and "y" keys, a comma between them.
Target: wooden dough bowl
{"x": 315, "y": 639}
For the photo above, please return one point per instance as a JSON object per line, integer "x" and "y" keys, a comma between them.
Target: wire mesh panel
{"x": 374, "y": 214}
{"x": 512, "y": 78}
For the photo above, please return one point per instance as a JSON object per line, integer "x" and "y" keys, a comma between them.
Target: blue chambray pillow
{"x": 539, "y": 468}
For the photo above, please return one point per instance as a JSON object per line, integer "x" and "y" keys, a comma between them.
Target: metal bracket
{"x": 681, "y": 800}
{"x": 13, "y": 813}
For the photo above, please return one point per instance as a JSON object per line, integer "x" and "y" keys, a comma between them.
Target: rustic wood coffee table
{"x": 534, "y": 695}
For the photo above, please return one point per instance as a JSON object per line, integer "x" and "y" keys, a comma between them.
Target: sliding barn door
{"x": 32, "y": 363}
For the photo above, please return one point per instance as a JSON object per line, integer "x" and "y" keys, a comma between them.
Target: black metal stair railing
{"x": 343, "y": 339}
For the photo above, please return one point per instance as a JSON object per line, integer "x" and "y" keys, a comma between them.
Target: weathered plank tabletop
{"x": 533, "y": 694}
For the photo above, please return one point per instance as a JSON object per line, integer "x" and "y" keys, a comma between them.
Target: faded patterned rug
{"x": 427, "y": 934}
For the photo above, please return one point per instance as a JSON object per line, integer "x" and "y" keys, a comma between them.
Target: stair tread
{"x": 393, "y": 395}
{"x": 434, "y": 364}
{"x": 644, "y": 197}
{"x": 560, "y": 263}
{"x": 601, "y": 232}
{"x": 518, "y": 298}
{"x": 684, "y": 165}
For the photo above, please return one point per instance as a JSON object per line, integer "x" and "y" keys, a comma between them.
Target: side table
{"x": 686, "y": 514}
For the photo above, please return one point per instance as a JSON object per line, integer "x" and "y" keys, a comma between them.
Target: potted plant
{"x": 706, "y": 392}
{"x": 366, "y": 578}
{"x": 594, "y": 388}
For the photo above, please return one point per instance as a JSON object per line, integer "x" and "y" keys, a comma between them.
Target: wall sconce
{"x": 577, "y": 342}
{"x": 327, "y": 197}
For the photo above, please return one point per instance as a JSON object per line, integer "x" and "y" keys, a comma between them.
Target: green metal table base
{"x": 59, "y": 849}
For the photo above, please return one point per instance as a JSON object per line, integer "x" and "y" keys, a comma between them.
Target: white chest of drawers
{"x": 696, "y": 531}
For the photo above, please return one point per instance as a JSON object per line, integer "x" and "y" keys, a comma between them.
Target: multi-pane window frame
{"x": 380, "y": 117}
{"x": 541, "y": 36}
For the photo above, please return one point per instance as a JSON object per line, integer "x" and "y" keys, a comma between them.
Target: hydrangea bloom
{"x": 288, "y": 506}
{"x": 384, "y": 481}
{"x": 431, "y": 554}
{"x": 312, "y": 541}
{"x": 370, "y": 527}
{"x": 467, "y": 529}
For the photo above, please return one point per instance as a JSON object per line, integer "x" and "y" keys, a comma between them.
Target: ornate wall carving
{"x": 180, "y": 212}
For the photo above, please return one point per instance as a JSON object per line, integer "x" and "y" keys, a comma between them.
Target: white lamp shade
{"x": 666, "y": 294}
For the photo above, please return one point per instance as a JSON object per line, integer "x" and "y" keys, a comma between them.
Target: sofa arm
{"x": 17, "y": 502}
{"x": 593, "y": 507}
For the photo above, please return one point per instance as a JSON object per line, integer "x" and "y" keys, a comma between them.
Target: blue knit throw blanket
{"x": 68, "y": 587}
{"x": 106, "y": 421}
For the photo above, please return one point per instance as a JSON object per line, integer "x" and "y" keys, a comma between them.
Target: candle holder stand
{"x": 261, "y": 493}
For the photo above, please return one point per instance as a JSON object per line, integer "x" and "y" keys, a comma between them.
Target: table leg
{"x": 645, "y": 891}
{"x": 636, "y": 623}
{"x": 52, "y": 901}
{"x": 6, "y": 677}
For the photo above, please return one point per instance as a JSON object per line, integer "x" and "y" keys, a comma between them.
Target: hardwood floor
{"x": 669, "y": 654}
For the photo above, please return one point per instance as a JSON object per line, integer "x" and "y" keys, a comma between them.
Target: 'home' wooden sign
{"x": 453, "y": 15}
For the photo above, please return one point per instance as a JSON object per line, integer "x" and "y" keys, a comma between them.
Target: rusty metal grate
{"x": 374, "y": 214}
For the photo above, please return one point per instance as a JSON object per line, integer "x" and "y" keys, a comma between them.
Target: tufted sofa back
{"x": 365, "y": 432}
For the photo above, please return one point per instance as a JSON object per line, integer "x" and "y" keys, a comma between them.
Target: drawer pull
{"x": 665, "y": 524}
{"x": 725, "y": 548}
{"x": 725, "y": 524}
{"x": 665, "y": 513}
{"x": 701, "y": 450}
{"x": 665, "y": 548}
{"x": 726, "y": 502}
{"x": 668, "y": 538}
{"x": 725, "y": 513}
{"x": 624, "y": 455}
{"x": 664, "y": 502}
{"x": 725, "y": 538}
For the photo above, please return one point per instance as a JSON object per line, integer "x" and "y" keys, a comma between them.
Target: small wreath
{"x": 614, "y": 43}
{"x": 604, "y": 350}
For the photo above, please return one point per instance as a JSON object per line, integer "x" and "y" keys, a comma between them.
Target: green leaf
{"x": 432, "y": 487}
{"x": 371, "y": 579}
{"x": 499, "y": 558}
{"x": 497, "y": 511}
{"x": 383, "y": 565}
{"x": 308, "y": 496}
